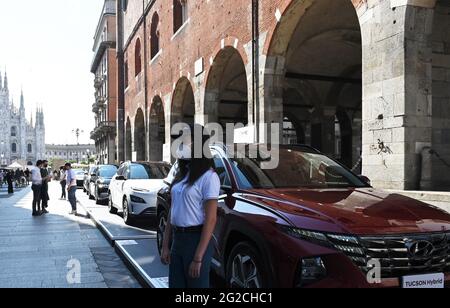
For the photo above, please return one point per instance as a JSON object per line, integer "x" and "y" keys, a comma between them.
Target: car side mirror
{"x": 365, "y": 179}
{"x": 120, "y": 178}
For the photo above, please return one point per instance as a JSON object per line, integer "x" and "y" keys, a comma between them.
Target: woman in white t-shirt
{"x": 193, "y": 215}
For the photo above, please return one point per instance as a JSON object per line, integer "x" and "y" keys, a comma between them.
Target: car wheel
{"x": 162, "y": 224}
{"x": 245, "y": 269}
{"x": 127, "y": 217}
{"x": 111, "y": 207}
{"x": 96, "y": 197}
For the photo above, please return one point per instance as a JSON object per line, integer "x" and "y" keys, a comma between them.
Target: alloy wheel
{"x": 245, "y": 273}
{"x": 161, "y": 230}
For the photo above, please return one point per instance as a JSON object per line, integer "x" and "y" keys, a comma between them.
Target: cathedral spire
{"x": 22, "y": 101}
{"x": 5, "y": 85}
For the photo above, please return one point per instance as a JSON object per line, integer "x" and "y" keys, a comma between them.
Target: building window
{"x": 126, "y": 75}
{"x": 154, "y": 36}
{"x": 30, "y": 148}
{"x": 180, "y": 14}
{"x": 13, "y": 131}
{"x": 14, "y": 148}
{"x": 137, "y": 58}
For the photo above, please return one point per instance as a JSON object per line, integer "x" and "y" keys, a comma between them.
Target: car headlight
{"x": 344, "y": 243}
{"x": 137, "y": 199}
{"x": 311, "y": 270}
{"x": 310, "y": 236}
{"x": 101, "y": 186}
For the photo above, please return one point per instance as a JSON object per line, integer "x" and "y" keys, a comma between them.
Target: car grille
{"x": 149, "y": 212}
{"x": 400, "y": 255}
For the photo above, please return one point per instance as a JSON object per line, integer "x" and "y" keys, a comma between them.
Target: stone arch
{"x": 183, "y": 103}
{"x": 226, "y": 92}
{"x": 157, "y": 124}
{"x": 440, "y": 87}
{"x": 128, "y": 140}
{"x": 139, "y": 135}
{"x": 315, "y": 48}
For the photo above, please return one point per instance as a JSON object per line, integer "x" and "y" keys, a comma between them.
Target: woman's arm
{"x": 207, "y": 233}
{"x": 165, "y": 253}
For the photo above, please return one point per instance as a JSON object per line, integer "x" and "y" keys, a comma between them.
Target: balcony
{"x": 103, "y": 128}
{"x": 99, "y": 103}
{"x": 98, "y": 81}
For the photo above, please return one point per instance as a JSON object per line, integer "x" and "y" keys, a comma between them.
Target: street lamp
{"x": 78, "y": 132}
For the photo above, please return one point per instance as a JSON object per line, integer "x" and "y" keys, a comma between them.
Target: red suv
{"x": 311, "y": 222}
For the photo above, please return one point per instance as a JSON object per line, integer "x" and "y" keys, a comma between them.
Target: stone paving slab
{"x": 35, "y": 251}
{"x": 143, "y": 255}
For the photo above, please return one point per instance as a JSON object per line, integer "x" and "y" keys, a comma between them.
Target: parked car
{"x": 87, "y": 179}
{"x": 134, "y": 188}
{"x": 311, "y": 222}
{"x": 100, "y": 178}
{"x": 79, "y": 175}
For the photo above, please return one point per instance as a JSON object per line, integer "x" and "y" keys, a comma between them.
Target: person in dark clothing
{"x": 62, "y": 180}
{"x": 44, "y": 192}
{"x": 9, "y": 180}
{"x": 27, "y": 174}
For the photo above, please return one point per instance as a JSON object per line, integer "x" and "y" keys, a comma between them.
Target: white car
{"x": 134, "y": 189}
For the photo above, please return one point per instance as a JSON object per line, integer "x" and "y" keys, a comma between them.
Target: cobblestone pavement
{"x": 44, "y": 251}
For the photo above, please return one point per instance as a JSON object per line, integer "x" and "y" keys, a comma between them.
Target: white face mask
{"x": 184, "y": 152}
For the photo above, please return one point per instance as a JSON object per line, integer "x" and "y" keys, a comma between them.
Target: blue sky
{"x": 46, "y": 46}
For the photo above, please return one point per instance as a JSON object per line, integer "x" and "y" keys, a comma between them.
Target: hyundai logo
{"x": 420, "y": 249}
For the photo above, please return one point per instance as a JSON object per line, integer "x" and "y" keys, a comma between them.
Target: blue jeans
{"x": 183, "y": 252}
{"x": 73, "y": 198}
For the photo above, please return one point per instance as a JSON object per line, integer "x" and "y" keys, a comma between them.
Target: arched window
{"x": 126, "y": 75}
{"x": 154, "y": 36}
{"x": 180, "y": 14}
{"x": 137, "y": 58}
{"x": 13, "y": 131}
{"x": 14, "y": 148}
{"x": 30, "y": 148}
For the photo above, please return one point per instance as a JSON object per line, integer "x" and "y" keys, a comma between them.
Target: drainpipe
{"x": 120, "y": 83}
{"x": 146, "y": 126}
{"x": 255, "y": 66}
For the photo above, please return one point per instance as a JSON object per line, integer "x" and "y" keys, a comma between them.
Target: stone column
{"x": 396, "y": 90}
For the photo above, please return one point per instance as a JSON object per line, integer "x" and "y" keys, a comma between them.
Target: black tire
{"x": 96, "y": 197}
{"x": 162, "y": 224}
{"x": 127, "y": 217}
{"x": 111, "y": 208}
{"x": 246, "y": 268}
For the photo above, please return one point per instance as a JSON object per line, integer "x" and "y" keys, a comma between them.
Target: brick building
{"x": 104, "y": 67}
{"x": 354, "y": 78}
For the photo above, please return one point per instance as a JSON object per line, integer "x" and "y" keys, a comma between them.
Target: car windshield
{"x": 79, "y": 172}
{"x": 107, "y": 171}
{"x": 148, "y": 171}
{"x": 296, "y": 169}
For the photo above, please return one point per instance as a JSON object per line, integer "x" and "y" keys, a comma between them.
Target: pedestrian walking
{"x": 27, "y": 174}
{"x": 63, "y": 182}
{"x": 71, "y": 187}
{"x": 45, "y": 179}
{"x": 36, "y": 186}
{"x": 192, "y": 219}
{"x": 9, "y": 180}
{"x": 1, "y": 178}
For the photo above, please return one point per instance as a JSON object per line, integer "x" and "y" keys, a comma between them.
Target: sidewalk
{"x": 42, "y": 251}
